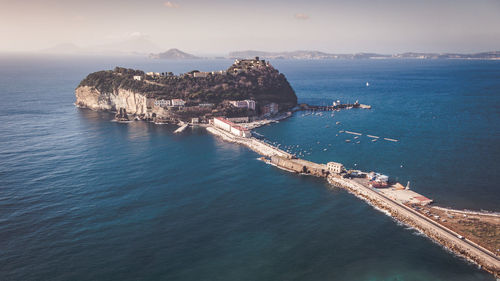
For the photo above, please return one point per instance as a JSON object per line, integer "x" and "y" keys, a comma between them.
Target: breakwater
{"x": 435, "y": 231}
{"x": 439, "y": 233}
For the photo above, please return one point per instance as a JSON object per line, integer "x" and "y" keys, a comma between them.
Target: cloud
{"x": 301, "y": 16}
{"x": 136, "y": 34}
{"x": 171, "y": 5}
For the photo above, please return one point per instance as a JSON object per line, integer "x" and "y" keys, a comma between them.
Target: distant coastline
{"x": 177, "y": 54}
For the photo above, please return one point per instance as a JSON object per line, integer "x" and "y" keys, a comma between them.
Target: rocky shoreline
{"x": 403, "y": 216}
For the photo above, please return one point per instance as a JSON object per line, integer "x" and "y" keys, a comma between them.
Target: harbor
{"x": 400, "y": 202}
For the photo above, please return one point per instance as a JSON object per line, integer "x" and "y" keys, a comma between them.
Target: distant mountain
{"x": 173, "y": 54}
{"x": 65, "y": 48}
{"x": 483, "y": 55}
{"x": 311, "y": 55}
{"x": 281, "y": 55}
{"x": 136, "y": 45}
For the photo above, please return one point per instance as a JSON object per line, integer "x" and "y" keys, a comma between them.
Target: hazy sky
{"x": 220, "y": 26}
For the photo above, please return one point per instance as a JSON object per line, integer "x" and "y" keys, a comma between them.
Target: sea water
{"x": 84, "y": 198}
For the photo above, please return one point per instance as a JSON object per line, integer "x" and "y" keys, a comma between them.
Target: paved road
{"x": 452, "y": 237}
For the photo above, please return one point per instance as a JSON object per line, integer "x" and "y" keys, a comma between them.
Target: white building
{"x": 229, "y": 126}
{"x": 178, "y": 102}
{"x": 163, "y": 103}
{"x": 222, "y": 124}
{"x": 250, "y": 104}
{"x": 138, "y": 77}
{"x": 220, "y": 72}
{"x": 243, "y": 104}
{"x": 335, "y": 167}
{"x": 240, "y": 131}
{"x": 200, "y": 74}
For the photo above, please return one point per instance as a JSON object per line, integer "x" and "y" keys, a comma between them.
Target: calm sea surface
{"x": 83, "y": 198}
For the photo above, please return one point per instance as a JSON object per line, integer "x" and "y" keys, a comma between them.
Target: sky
{"x": 221, "y": 26}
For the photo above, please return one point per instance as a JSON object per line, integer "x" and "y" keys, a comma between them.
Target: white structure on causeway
{"x": 335, "y": 167}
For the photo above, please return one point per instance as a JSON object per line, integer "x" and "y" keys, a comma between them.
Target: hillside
{"x": 137, "y": 91}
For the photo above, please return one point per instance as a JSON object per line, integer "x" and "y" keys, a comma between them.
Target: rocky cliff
{"x": 137, "y": 92}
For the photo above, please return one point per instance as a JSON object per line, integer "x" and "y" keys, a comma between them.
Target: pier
{"x": 181, "y": 128}
{"x": 333, "y": 107}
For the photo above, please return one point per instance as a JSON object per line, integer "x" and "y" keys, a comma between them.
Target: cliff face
{"x": 91, "y": 97}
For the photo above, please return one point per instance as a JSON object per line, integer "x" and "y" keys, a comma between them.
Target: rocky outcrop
{"x": 91, "y": 97}
{"x": 122, "y": 115}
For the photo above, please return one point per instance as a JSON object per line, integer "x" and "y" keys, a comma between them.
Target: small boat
{"x": 367, "y": 84}
{"x": 347, "y": 140}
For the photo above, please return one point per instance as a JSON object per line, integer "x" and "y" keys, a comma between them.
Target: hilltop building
{"x": 163, "y": 103}
{"x": 250, "y": 104}
{"x": 178, "y": 102}
{"x": 200, "y": 74}
{"x": 137, "y": 77}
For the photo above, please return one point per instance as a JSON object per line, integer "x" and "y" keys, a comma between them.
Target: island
{"x": 249, "y": 88}
{"x": 251, "y": 93}
{"x": 173, "y": 54}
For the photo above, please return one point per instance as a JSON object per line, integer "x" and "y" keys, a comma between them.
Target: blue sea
{"x": 84, "y": 198}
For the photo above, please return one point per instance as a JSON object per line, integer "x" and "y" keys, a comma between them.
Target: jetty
{"x": 181, "y": 128}
{"x": 400, "y": 203}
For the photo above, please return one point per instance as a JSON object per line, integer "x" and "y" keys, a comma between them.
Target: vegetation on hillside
{"x": 264, "y": 85}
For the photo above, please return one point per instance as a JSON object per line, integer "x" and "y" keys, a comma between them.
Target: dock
{"x": 181, "y": 128}
{"x": 307, "y": 107}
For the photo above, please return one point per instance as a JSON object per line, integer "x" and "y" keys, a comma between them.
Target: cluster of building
{"x": 200, "y": 74}
{"x": 247, "y": 64}
{"x": 378, "y": 180}
{"x": 195, "y": 74}
{"x": 266, "y": 110}
{"x": 170, "y": 103}
{"x": 229, "y": 126}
